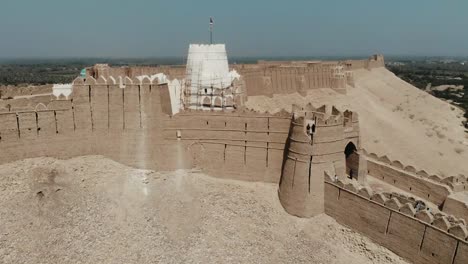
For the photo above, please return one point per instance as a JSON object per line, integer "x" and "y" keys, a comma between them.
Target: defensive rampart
{"x": 102, "y": 119}
{"x": 128, "y": 121}
{"x": 456, "y": 183}
{"x": 266, "y": 77}
{"x": 448, "y": 193}
{"x": 419, "y": 237}
{"x": 285, "y": 77}
{"x": 243, "y": 145}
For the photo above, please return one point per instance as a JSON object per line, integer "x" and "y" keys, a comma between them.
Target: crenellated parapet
{"x": 412, "y": 232}
{"x": 456, "y": 183}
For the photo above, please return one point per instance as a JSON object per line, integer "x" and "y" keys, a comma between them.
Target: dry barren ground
{"x": 94, "y": 210}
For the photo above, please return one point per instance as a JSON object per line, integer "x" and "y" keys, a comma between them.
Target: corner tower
{"x": 320, "y": 140}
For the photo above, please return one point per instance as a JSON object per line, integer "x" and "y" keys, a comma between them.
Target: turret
{"x": 317, "y": 143}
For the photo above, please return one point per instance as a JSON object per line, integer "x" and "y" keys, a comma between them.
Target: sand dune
{"x": 397, "y": 120}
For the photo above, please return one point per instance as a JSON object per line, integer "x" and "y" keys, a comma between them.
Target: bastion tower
{"x": 320, "y": 140}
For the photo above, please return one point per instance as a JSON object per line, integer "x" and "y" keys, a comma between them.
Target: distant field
{"x": 38, "y": 72}
{"x": 427, "y": 74}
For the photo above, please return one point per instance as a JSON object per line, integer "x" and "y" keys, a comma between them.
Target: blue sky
{"x": 153, "y": 28}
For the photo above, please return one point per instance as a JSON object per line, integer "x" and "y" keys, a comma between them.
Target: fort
{"x": 195, "y": 116}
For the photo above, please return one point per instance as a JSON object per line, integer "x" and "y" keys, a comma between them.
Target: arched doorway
{"x": 352, "y": 160}
{"x": 206, "y": 102}
{"x": 229, "y": 101}
{"x": 218, "y": 102}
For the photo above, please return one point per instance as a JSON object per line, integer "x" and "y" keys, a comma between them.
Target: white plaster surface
{"x": 207, "y": 68}
{"x": 62, "y": 89}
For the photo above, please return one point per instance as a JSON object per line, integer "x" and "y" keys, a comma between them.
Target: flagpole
{"x": 211, "y": 30}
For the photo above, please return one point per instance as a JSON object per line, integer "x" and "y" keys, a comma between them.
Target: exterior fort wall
{"x": 285, "y": 77}
{"x": 242, "y": 145}
{"x": 419, "y": 237}
{"x": 428, "y": 190}
{"x": 102, "y": 119}
{"x": 455, "y": 183}
{"x": 455, "y": 204}
{"x": 104, "y": 70}
{"x": 127, "y": 123}
{"x": 266, "y": 78}
{"x": 445, "y": 192}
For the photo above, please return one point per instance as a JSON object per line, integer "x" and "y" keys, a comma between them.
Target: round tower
{"x": 317, "y": 143}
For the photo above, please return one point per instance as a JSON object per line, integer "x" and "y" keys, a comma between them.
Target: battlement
{"x": 263, "y": 78}
{"x": 414, "y": 235}
{"x": 324, "y": 115}
{"x": 456, "y": 183}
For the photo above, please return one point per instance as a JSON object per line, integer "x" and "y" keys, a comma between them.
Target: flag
{"x": 211, "y": 21}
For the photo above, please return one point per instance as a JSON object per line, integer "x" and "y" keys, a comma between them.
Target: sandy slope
{"x": 94, "y": 210}
{"x": 397, "y": 120}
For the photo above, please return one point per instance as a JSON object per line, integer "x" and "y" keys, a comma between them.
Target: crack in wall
{"x": 294, "y": 173}
{"x": 123, "y": 109}
{"x": 310, "y": 170}
{"x": 37, "y": 124}
{"x": 139, "y": 103}
{"x": 455, "y": 253}
{"x": 108, "y": 108}
{"x": 56, "y": 125}
{"x": 73, "y": 114}
{"x": 91, "y": 107}
{"x": 18, "y": 126}
{"x": 388, "y": 222}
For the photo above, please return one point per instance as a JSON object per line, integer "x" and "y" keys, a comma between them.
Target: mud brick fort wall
{"x": 247, "y": 144}
{"x": 419, "y": 237}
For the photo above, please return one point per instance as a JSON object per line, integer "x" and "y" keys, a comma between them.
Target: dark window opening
{"x": 351, "y": 159}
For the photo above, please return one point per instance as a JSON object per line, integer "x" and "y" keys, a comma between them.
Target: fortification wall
{"x": 457, "y": 204}
{"x": 419, "y": 237}
{"x": 447, "y": 192}
{"x": 102, "y": 119}
{"x": 104, "y": 70}
{"x": 286, "y": 79}
{"x": 10, "y": 91}
{"x": 265, "y": 77}
{"x": 456, "y": 183}
{"x": 243, "y": 145}
{"x": 126, "y": 122}
{"x": 375, "y": 61}
{"x": 428, "y": 190}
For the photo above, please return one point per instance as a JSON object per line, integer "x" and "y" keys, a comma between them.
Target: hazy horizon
{"x": 163, "y": 29}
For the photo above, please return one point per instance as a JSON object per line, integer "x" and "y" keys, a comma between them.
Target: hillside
{"x": 397, "y": 120}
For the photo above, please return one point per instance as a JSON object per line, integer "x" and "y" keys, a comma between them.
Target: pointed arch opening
{"x": 352, "y": 160}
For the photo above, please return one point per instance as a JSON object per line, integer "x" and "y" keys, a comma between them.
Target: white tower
{"x": 207, "y": 73}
